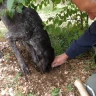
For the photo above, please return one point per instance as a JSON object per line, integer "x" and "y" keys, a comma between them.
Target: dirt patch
{"x": 13, "y": 83}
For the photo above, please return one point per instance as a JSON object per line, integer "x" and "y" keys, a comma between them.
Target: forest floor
{"x": 13, "y": 82}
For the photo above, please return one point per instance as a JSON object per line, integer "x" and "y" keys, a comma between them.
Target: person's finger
{"x": 55, "y": 65}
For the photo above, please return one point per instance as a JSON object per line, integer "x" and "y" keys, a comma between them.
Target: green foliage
{"x": 71, "y": 15}
{"x": 14, "y": 5}
{"x": 55, "y": 92}
{"x": 56, "y": 1}
{"x": 30, "y": 94}
{"x": 1, "y": 1}
{"x": 70, "y": 88}
{"x": 17, "y": 77}
{"x": 69, "y": 12}
{"x": 63, "y": 27}
{"x": 62, "y": 37}
{"x": 9, "y": 4}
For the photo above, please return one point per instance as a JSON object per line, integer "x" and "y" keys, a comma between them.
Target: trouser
{"x": 91, "y": 85}
{"x": 91, "y": 82}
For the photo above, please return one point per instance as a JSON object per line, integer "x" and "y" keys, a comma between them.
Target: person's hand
{"x": 59, "y": 60}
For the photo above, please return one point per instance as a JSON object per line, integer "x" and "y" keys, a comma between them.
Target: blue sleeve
{"x": 84, "y": 43}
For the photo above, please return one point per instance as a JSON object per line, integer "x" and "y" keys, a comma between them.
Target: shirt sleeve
{"x": 84, "y": 43}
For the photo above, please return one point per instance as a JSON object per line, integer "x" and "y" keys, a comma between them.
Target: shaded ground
{"x": 13, "y": 83}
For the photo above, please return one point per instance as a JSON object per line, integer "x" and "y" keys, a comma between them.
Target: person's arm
{"x": 84, "y": 43}
{"x": 79, "y": 46}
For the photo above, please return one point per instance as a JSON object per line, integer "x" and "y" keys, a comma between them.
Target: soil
{"x": 14, "y": 83}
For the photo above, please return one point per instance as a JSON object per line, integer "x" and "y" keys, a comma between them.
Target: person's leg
{"x": 91, "y": 85}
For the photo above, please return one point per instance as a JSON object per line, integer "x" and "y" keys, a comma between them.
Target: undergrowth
{"x": 62, "y": 37}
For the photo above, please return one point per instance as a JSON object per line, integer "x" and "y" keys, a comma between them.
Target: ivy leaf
{"x": 9, "y": 4}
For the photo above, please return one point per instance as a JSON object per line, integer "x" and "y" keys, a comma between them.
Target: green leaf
{"x": 27, "y": 2}
{"x": 56, "y": 1}
{"x": 55, "y": 92}
{"x": 40, "y": 6}
{"x": 20, "y": 1}
{"x": 1, "y": 1}
{"x": 30, "y": 94}
{"x": 9, "y": 4}
{"x": 11, "y": 13}
{"x": 19, "y": 8}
